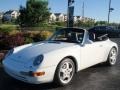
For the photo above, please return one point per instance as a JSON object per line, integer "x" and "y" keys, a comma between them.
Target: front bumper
{"x": 14, "y": 70}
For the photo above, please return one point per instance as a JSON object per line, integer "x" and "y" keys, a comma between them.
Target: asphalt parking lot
{"x": 99, "y": 77}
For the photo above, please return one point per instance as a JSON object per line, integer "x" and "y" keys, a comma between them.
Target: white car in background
{"x": 68, "y": 51}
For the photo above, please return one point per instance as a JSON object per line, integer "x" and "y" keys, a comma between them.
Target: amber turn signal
{"x": 35, "y": 74}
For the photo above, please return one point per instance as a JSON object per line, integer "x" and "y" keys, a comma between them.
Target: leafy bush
{"x": 6, "y": 28}
{"x": 35, "y": 36}
{"x": 14, "y": 32}
{"x": 40, "y": 36}
{"x": 10, "y": 41}
{"x": 45, "y": 35}
{"x": 29, "y": 36}
{"x": 60, "y": 23}
{"x": 28, "y": 40}
{"x": 1, "y": 56}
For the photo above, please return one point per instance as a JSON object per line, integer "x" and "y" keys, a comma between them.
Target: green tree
{"x": 35, "y": 12}
{"x": 89, "y": 23}
{"x": 98, "y": 23}
{"x": 85, "y": 24}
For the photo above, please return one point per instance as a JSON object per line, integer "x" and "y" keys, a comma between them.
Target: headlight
{"x": 38, "y": 60}
{"x": 9, "y": 52}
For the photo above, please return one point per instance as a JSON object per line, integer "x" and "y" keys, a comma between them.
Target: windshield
{"x": 70, "y": 35}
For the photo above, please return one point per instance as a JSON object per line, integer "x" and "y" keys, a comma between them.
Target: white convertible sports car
{"x": 68, "y": 51}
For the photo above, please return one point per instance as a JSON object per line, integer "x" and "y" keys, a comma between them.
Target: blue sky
{"x": 97, "y": 9}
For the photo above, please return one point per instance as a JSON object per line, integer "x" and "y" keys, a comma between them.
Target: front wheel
{"x": 64, "y": 72}
{"x": 112, "y": 57}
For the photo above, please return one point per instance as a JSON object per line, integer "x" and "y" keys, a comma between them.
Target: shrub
{"x": 35, "y": 36}
{"x": 28, "y": 40}
{"x": 29, "y": 37}
{"x": 15, "y": 40}
{"x": 10, "y": 41}
{"x": 14, "y": 32}
{"x": 60, "y": 23}
{"x": 1, "y": 56}
{"x": 6, "y": 28}
{"x": 43, "y": 35}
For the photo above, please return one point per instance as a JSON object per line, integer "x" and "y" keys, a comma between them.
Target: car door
{"x": 91, "y": 53}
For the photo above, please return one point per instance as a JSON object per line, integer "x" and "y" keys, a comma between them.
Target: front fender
{"x": 55, "y": 57}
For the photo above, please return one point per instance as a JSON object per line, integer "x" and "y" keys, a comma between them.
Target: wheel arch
{"x": 110, "y": 50}
{"x": 75, "y": 62}
{"x": 115, "y": 48}
{"x": 73, "y": 59}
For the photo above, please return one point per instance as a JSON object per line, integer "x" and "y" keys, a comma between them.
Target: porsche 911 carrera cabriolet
{"x": 57, "y": 59}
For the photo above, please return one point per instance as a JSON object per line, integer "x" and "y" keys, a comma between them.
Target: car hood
{"x": 30, "y": 51}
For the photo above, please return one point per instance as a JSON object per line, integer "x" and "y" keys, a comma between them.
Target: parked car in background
{"x": 110, "y": 30}
{"x": 68, "y": 51}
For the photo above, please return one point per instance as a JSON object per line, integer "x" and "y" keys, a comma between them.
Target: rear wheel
{"x": 65, "y": 72}
{"x": 112, "y": 57}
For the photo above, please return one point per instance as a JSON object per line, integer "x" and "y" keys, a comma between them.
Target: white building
{"x": 11, "y": 14}
{"x": 77, "y": 18}
{"x": 57, "y": 17}
{"x": 1, "y": 15}
{"x": 60, "y": 17}
{"x": 52, "y": 17}
{"x": 65, "y": 17}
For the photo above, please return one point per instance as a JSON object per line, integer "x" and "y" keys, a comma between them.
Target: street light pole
{"x": 83, "y": 11}
{"x": 68, "y": 13}
{"x": 109, "y": 11}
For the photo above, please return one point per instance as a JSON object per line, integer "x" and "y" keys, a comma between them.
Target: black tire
{"x": 112, "y": 54}
{"x": 58, "y": 80}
